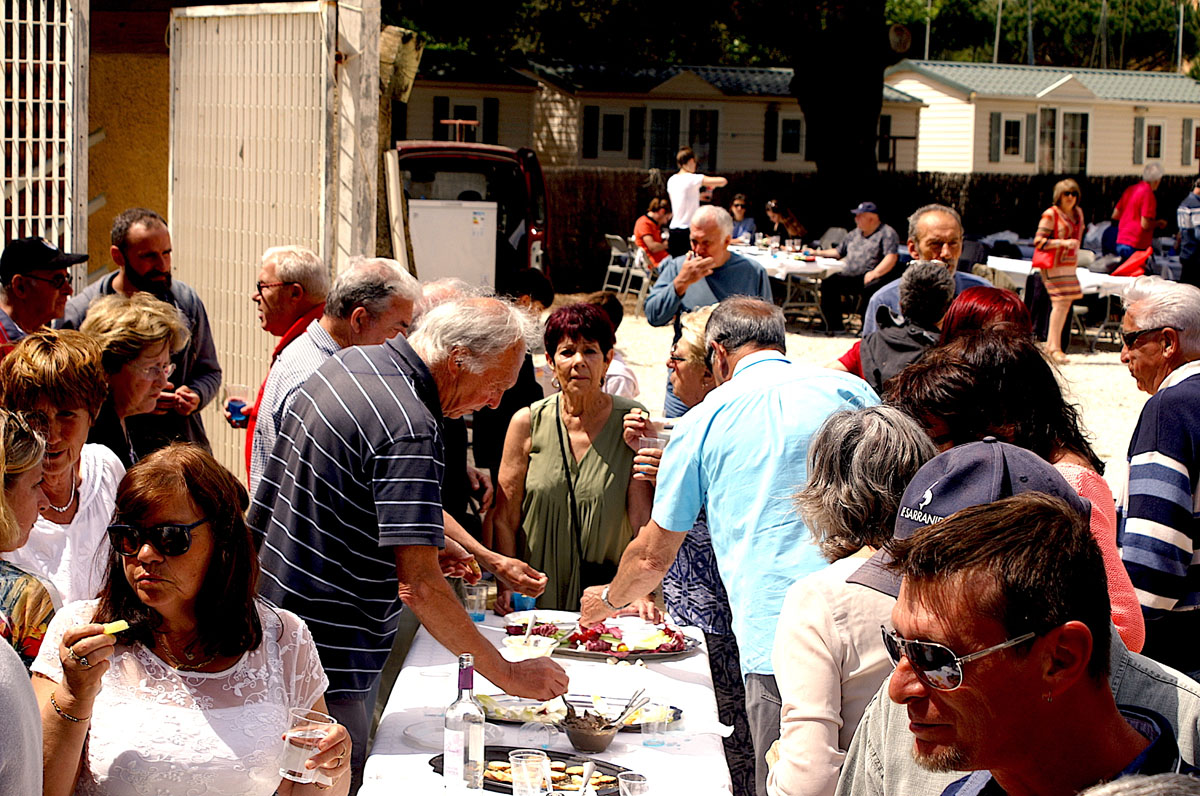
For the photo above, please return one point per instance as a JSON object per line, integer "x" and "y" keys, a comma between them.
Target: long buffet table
{"x": 692, "y": 762}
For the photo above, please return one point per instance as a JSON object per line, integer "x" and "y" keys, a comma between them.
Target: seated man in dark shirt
{"x": 870, "y": 256}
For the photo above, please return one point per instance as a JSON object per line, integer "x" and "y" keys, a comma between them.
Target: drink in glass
{"x": 307, "y": 728}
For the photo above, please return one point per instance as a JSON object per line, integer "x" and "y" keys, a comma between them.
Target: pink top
{"x": 1126, "y": 612}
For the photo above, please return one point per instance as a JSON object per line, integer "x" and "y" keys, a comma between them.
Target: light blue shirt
{"x": 741, "y": 453}
{"x": 889, "y": 296}
{"x": 739, "y": 276}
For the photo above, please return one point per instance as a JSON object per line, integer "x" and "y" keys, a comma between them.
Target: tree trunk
{"x": 839, "y": 54}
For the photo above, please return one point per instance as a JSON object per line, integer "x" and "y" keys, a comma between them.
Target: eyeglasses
{"x": 260, "y": 286}
{"x": 1130, "y": 338}
{"x": 935, "y": 665}
{"x": 58, "y": 281}
{"x": 738, "y": 204}
{"x": 153, "y": 372}
{"x": 170, "y": 540}
{"x": 678, "y": 360}
{"x": 1070, "y": 193}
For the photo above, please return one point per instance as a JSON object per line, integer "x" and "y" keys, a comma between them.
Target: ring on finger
{"x": 80, "y": 659}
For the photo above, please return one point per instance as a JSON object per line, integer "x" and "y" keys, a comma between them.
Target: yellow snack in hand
{"x": 113, "y": 628}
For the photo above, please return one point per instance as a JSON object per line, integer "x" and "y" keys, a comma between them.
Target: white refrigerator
{"x": 451, "y": 238}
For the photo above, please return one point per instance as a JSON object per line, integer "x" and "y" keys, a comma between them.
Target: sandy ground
{"x": 1099, "y": 383}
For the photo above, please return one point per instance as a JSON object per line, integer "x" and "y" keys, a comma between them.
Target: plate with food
{"x": 517, "y": 621}
{"x": 505, "y": 709}
{"x": 566, "y": 771}
{"x": 630, "y": 641}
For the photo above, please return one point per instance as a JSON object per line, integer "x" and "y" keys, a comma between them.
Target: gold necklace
{"x": 178, "y": 664}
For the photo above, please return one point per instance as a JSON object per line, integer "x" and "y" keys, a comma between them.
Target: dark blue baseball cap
{"x": 966, "y": 475}
{"x": 866, "y": 207}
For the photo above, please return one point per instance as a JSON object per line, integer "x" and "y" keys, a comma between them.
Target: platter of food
{"x": 626, "y": 638}
{"x": 505, "y": 709}
{"x": 566, "y": 771}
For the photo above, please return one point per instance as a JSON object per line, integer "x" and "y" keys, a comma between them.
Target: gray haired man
{"x": 350, "y": 511}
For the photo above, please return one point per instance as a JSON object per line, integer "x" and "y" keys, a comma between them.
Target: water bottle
{"x": 462, "y": 743}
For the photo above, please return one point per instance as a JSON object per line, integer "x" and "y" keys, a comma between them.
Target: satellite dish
{"x": 900, "y": 38}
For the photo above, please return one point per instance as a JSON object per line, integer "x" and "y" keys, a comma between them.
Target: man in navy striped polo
{"x": 1157, "y": 529}
{"x": 350, "y": 503}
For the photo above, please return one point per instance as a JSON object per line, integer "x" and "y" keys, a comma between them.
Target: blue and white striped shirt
{"x": 292, "y": 368}
{"x": 356, "y": 471}
{"x": 1158, "y": 529}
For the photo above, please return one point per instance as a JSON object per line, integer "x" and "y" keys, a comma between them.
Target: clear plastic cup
{"x": 528, "y": 767}
{"x": 307, "y": 728}
{"x": 475, "y": 601}
{"x": 654, "y": 724}
{"x": 631, "y": 783}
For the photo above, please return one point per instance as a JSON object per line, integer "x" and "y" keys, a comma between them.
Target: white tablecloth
{"x": 1090, "y": 282}
{"x": 781, "y": 265}
{"x": 692, "y": 763}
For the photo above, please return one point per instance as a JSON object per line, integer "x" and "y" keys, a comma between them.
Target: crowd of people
{"x": 909, "y": 569}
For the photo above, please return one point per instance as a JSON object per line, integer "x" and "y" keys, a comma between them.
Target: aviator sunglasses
{"x": 934, "y": 665}
{"x": 170, "y": 540}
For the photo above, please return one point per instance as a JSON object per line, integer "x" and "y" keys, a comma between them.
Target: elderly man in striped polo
{"x": 1158, "y": 528}
{"x": 350, "y": 503}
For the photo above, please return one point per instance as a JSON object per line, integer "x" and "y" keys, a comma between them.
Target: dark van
{"x": 512, "y": 178}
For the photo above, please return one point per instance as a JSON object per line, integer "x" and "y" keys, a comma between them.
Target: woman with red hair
{"x": 982, "y": 308}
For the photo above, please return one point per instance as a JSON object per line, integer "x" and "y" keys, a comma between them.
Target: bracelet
{"x": 62, "y": 713}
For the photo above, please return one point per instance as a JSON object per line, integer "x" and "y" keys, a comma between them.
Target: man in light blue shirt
{"x": 741, "y": 454}
{"x": 707, "y": 274}
{"x": 935, "y": 232}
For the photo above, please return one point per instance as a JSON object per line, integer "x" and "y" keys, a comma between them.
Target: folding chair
{"x": 643, "y": 270}
{"x": 617, "y": 275}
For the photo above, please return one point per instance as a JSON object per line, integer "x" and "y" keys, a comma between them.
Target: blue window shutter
{"x": 1030, "y": 137}
{"x": 994, "y": 139}
{"x": 1139, "y": 140}
{"x": 1186, "y": 148}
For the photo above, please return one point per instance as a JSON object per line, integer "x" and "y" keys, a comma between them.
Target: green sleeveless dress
{"x": 601, "y": 480}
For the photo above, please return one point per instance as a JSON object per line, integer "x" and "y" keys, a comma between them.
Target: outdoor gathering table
{"x": 801, "y": 279}
{"x": 1091, "y": 283}
{"x": 692, "y": 762}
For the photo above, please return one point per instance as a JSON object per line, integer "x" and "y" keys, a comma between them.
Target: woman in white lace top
{"x": 194, "y": 697}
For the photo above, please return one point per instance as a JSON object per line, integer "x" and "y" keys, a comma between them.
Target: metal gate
{"x": 43, "y": 87}
{"x": 274, "y": 113}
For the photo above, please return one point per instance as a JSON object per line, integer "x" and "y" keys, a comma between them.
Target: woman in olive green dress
{"x": 566, "y": 501}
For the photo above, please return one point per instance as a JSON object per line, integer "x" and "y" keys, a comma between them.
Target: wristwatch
{"x": 607, "y": 604}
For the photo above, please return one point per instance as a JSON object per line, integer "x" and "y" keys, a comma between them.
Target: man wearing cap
{"x": 869, "y": 253}
{"x": 1000, "y": 639}
{"x": 935, "y": 232}
{"x": 35, "y": 281}
{"x": 141, "y": 249}
{"x": 895, "y": 738}
{"x": 1157, "y": 526}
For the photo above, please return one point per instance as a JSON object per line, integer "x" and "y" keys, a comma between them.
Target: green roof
{"x": 732, "y": 81}
{"x": 1017, "y": 80}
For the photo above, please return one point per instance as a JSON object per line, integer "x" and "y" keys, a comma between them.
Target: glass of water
{"x": 633, "y": 784}
{"x": 528, "y": 771}
{"x": 307, "y": 728}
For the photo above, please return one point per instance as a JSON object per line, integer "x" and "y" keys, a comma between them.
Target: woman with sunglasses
{"x": 138, "y": 335}
{"x": 194, "y": 697}
{"x": 25, "y": 605}
{"x": 743, "y": 225}
{"x": 59, "y": 376}
{"x": 1059, "y": 234}
{"x": 829, "y": 659}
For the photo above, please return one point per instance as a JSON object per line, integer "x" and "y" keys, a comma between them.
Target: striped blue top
{"x": 357, "y": 470}
{"x": 1157, "y": 527}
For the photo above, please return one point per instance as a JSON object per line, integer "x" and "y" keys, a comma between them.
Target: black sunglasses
{"x": 58, "y": 281}
{"x": 1070, "y": 193}
{"x": 1130, "y": 338}
{"x": 936, "y": 666}
{"x": 170, "y": 540}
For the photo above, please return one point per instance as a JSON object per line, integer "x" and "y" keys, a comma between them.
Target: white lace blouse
{"x": 156, "y": 730}
{"x": 74, "y": 557}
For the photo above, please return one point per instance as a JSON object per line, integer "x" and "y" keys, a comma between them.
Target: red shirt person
{"x": 647, "y": 232}
{"x": 1135, "y": 213}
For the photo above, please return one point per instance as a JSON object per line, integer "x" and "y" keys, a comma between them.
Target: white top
{"x": 21, "y": 729}
{"x": 162, "y": 731}
{"x": 829, "y": 661}
{"x": 620, "y": 379}
{"x": 684, "y": 190}
{"x": 74, "y": 557}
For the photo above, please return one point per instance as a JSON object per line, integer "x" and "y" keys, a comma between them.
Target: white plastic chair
{"x": 642, "y": 270}
{"x": 832, "y": 237}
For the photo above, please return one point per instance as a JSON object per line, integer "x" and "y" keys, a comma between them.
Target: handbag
{"x": 590, "y": 573}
